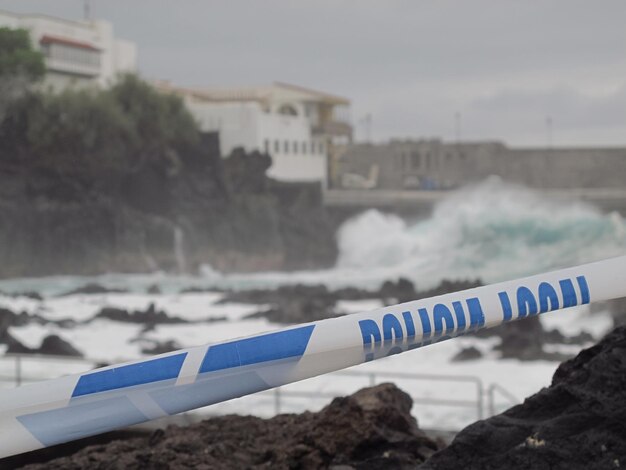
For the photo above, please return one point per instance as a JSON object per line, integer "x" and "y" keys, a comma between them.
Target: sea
{"x": 492, "y": 231}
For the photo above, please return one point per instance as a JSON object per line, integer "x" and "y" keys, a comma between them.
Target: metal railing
{"x": 373, "y": 378}
{"x": 481, "y": 395}
{"x": 21, "y": 376}
{"x": 491, "y": 397}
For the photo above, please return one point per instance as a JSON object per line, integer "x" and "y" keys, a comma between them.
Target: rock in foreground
{"x": 579, "y": 422}
{"x": 371, "y": 429}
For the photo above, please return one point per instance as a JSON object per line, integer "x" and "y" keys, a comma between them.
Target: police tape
{"x": 60, "y": 410}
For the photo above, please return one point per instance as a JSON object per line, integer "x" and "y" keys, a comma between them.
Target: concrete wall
{"x": 433, "y": 164}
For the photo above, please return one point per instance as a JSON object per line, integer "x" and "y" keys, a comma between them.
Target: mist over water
{"x": 493, "y": 231}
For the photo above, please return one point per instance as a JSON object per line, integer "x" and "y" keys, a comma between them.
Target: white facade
{"x": 296, "y": 126}
{"x": 77, "y": 53}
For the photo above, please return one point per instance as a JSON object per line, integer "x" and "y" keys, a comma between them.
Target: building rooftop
{"x": 79, "y": 22}
{"x": 262, "y": 94}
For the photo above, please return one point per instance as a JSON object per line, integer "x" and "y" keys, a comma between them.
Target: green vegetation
{"x": 20, "y": 66}
{"x": 93, "y": 133}
{"x": 118, "y": 130}
{"x": 17, "y": 56}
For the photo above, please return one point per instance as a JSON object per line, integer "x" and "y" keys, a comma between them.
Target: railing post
{"x": 492, "y": 405}
{"x": 18, "y": 370}
{"x": 480, "y": 390}
{"x": 277, "y": 400}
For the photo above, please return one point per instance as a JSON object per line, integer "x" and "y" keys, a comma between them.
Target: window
{"x": 415, "y": 159}
{"x": 313, "y": 149}
{"x": 286, "y": 146}
{"x": 303, "y": 147}
{"x": 75, "y": 55}
{"x": 295, "y": 146}
{"x": 321, "y": 147}
{"x": 288, "y": 110}
{"x": 276, "y": 146}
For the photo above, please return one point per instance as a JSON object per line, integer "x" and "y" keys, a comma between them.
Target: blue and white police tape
{"x": 72, "y": 407}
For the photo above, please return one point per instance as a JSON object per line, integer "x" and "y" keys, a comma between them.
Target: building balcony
{"x": 334, "y": 129}
{"x": 72, "y": 68}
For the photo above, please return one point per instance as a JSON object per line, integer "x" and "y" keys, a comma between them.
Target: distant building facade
{"x": 298, "y": 127}
{"x": 434, "y": 164}
{"x": 77, "y": 53}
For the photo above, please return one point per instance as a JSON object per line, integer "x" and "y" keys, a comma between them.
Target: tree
{"x": 20, "y": 65}
{"x": 17, "y": 56}
{"x": 165, "y": 130}
{"x": 102, "y": 137}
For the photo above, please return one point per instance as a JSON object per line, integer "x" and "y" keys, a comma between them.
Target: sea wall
{"x": 433, "y": 164}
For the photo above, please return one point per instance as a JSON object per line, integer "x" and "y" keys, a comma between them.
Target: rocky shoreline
{"x": 293, "y": 304}
{"x": 576, "y": 423}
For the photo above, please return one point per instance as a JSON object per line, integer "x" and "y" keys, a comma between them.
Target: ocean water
{"x": 493, "y": 231}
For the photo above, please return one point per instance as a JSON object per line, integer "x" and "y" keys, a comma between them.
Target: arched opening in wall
{"x": 287, "y": 110}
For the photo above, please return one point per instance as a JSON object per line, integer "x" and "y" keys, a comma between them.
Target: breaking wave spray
{"x": 493, "y": 230}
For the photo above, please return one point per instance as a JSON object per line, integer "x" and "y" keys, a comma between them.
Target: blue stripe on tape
{"x": 270, "y": 347}
{"x": 208, "y": 391}
{"x": 133, "y": 374}
{"x": 76, "y": 421}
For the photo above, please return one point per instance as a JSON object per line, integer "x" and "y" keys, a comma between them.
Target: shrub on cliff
{"x": 20, "y": 65}
{"x": 17, "y": 56}
{"x": 119, "y": 130}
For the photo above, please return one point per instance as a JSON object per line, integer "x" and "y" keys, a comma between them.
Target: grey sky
{"x": 504, "y": 65}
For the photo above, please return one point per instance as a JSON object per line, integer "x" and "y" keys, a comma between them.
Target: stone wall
{"x": 433, "y": 164}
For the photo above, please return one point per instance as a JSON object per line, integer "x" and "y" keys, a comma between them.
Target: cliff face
{"x": 169, "y": 215}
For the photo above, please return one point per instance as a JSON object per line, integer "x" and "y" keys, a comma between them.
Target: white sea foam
{"x": 492, "y": 231}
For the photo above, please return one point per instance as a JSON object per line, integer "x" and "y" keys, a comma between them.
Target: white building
{"x": 77, "y": 53}
{"x": 297, "y": 126}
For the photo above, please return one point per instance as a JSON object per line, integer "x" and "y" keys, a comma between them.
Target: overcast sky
{"x": 505, "y": 66}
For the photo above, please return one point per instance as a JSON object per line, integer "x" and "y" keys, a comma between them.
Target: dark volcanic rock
{"x": 54, "y": 345}
{"x": 372, "y": 429}
{"x": 525, "y": 340}
{"x": 579, "y": 422}
{"x": 467, "y": 354}
{"x": 153, "y": 289}
{"x": 303, "y": 303}
{"x": 93, "y": 288}
{"x": 28, "y": 294}
{"x": 446, "y": 286}
{"x": 150, "y": 316}
{"x": 617, "y": 307}
{"x": 144, "y": 215}
{"x": 14, "y": 346}
{"x": 51, "y": 344}
{"x": 291, "y": 304}
{"x": 400, "y": 291}
{"x": 154, "y": 347}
